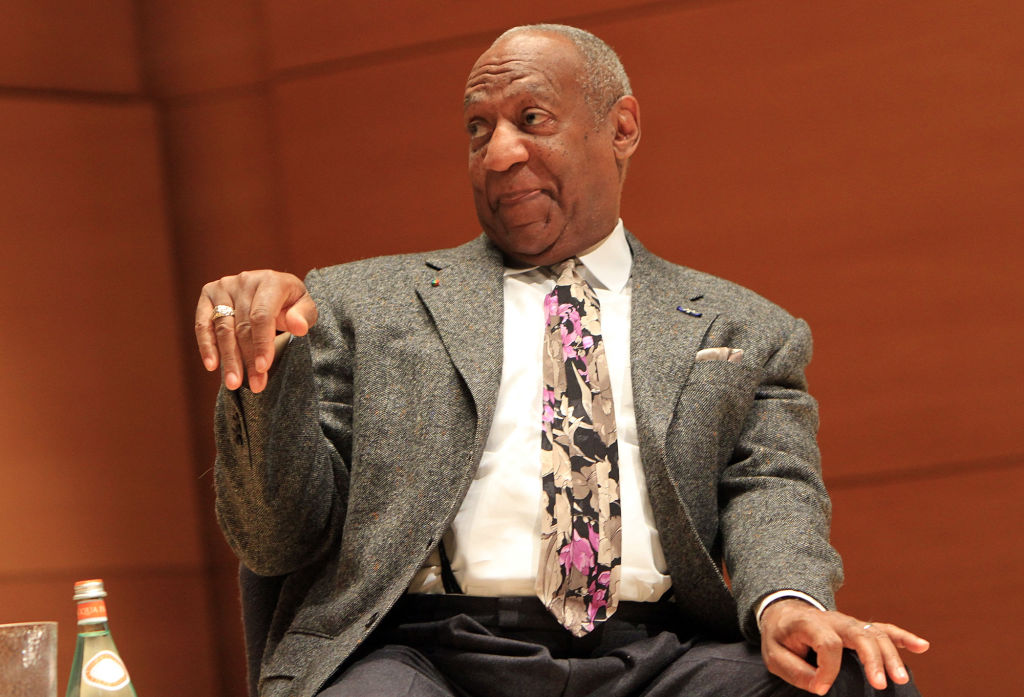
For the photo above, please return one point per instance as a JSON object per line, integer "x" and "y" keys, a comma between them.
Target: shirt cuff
{"x": 779, "y": 595}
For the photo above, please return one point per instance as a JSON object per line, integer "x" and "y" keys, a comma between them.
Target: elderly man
{"x": 518, "y": 466}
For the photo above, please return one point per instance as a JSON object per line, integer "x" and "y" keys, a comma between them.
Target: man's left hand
{"x": 792, "y": 628}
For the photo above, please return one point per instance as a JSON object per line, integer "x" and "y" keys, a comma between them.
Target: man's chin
{"x": 526, "y": 243}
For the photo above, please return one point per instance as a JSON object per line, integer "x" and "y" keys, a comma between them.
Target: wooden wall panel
{"x": 951, "y": 571}
{"x": 373, "y": 160}
{"x": 192, "y": 46}
{"x": 69, "y": 44}
{"x": 95, "y": 404}
{"x": 97, "y": 474}
{"x": 861, "y": 167}
{"x": 223, "y": 186}
{"x": 310, "y": 32}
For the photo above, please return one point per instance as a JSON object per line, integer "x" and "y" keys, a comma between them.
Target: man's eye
{"x": 476, "y": 129}
{"x": 534, "y": 117}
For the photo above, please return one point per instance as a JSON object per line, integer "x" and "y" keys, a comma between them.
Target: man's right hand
{"x": 243, "y": 343}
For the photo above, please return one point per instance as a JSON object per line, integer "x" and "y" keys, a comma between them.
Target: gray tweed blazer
{"x": 346, "y": 471}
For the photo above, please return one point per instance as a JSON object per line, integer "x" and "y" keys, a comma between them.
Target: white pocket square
{"x": 720, "y": 353}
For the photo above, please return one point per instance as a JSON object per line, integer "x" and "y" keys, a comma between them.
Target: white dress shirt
{"x": 494, "y": 542}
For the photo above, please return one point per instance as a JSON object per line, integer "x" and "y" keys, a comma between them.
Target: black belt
{"x": 523, "y": 612}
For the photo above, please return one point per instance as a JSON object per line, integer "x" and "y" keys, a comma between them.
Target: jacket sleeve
{"x": 281, "y": 476}
{"x": 775, "y": 513}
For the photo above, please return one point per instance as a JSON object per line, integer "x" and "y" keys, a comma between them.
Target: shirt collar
{"x": 610, "y": 263}
{"x": 607, "y": 265}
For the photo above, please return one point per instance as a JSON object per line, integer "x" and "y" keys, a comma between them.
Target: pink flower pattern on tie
{"x": 578, "y": 576}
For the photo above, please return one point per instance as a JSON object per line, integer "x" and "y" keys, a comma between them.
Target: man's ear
{"x": 626, "y": 117}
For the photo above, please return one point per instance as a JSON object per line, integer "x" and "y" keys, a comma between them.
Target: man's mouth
{"x": 512, "y": 198}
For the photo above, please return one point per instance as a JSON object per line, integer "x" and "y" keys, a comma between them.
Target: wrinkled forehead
{"x": 526, "y": 62}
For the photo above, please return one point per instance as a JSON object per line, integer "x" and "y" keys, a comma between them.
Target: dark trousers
{"x": 459, "y": 646}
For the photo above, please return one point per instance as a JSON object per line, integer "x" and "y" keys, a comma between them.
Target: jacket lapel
{"x": 462, "y": 290}
{"x": 663, "y": 344}
{"x": 663, "y": 340}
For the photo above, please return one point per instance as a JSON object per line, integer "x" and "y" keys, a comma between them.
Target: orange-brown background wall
{"x": 860, "y": 163}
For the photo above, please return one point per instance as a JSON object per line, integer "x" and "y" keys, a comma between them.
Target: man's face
{"x": 545, "y": 177}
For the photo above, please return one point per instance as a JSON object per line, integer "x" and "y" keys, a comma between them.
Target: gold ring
{"x": 223, "y": 311}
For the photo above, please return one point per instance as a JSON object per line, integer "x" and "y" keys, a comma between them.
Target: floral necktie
{"x": 581, "y": 539}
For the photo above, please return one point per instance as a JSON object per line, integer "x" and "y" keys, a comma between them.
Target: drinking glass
{"x": 28, "y": 659}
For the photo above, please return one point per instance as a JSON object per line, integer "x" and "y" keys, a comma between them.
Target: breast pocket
{"x": 710, "y": 373}
{"x": 713, "y": 406}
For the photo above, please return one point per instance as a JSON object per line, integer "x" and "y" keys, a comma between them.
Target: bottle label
{"x": 105, "y": 671}
{"x": 92, "y": 611}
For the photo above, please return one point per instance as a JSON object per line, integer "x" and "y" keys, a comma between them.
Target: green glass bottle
{"x": 97, "y": 670}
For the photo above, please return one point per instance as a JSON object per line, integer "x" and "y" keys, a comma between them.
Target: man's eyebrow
{"x": 538, "y": 90}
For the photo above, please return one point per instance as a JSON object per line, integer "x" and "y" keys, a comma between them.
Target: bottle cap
{"x": 90, "y": 589}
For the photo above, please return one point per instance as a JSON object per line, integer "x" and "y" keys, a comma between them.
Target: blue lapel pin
{"x": 688, "y": 311}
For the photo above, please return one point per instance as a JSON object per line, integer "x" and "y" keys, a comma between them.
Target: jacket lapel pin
{"x": 688, "y": 311}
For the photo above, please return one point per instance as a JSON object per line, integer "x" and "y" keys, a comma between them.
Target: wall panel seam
{"x": 70, "y": 574}
{"x": 938, "y": 470}
{"x": 70, "y": 95}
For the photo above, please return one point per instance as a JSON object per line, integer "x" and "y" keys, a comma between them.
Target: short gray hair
{"x": 604, "y": 80}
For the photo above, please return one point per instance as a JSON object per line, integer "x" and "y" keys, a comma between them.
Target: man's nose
{"x": 505, "y": 148}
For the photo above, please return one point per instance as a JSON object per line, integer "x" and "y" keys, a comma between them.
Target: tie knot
{"x": 565, "y": 271}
